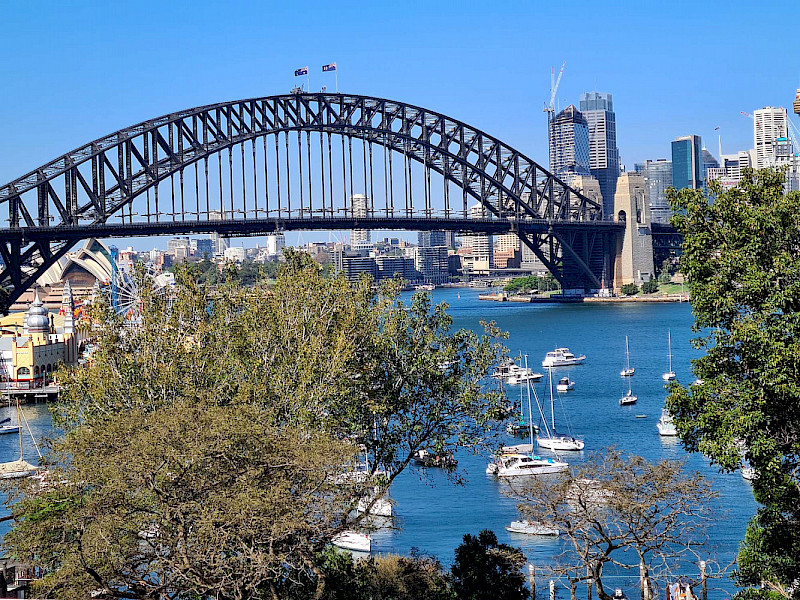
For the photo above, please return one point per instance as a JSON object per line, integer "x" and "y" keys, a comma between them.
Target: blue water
{"x": 433, "y": 514}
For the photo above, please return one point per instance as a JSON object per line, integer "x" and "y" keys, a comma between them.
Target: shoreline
{"x": 502, "y": 297}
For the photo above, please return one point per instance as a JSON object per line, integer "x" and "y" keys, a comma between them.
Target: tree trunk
{"x": 597, "y": 574}
{"x": 645, "y": 583}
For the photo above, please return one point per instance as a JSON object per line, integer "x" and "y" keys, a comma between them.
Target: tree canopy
{"x": 741, "y": 255}
{"x": 208, "y": 449}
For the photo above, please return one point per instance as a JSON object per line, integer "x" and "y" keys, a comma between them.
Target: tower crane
{"x": 554, "y": 83}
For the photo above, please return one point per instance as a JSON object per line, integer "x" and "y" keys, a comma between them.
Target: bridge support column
{"x": 634, "y": 256}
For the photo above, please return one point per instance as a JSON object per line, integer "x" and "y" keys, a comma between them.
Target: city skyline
{"x": 661, "y": 91}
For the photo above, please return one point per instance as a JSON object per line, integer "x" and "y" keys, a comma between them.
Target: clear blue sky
{"x": 72, "y": 72}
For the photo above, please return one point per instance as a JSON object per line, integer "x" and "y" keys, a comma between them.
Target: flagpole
{"x": 336, "y": 70}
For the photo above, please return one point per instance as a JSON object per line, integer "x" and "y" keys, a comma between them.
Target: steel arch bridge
{"x": 124, "y": 184}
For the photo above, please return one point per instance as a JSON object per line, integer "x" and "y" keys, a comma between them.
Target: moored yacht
{"x": 666, "y": 426}
{"x": 562, "y": 357}
{"x": 532, "y": 528}
{"x": 353, "y": 540}
{"x": 565, "y": 384}
{"x": 516, "y": 465}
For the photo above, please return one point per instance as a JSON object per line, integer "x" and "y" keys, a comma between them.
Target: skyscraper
{"x": 603, "y": 152}
{"x": 687, "y": 162}
{"x": 430, "y": 239}
{"x": 569, "y": 143}
{"x": 770, "y": 125}
{"x": 658, "y": 177}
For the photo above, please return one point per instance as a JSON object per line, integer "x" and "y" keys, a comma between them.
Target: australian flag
{"x": 330, "y": 67}
{"x": 302, "y": 71}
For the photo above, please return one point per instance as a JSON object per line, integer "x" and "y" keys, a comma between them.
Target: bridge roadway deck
{"x": 262, "y": 226}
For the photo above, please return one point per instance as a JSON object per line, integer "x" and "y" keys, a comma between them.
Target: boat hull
{"x": 560, "y": 443}
{"x": 531, "y": 528}
{"x": 352, "y": 540}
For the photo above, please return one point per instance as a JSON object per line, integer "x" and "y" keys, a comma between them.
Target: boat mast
{"x": 552, "y": 403}
{"x": 530, "y": 409}
{"x": 669, "y": 346}
{"x": 19, "y": 431}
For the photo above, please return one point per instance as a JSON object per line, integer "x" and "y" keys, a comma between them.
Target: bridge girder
{"x": 103, "y": 178}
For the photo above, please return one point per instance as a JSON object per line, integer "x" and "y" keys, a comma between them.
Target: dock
{"x": 47, "y": 393}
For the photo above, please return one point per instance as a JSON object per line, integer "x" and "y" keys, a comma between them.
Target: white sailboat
{"x": 514, "y": 461}
{"x": 628, "y": 398}
{"x": 670, "y": 374}
{"x": 17, "y": 469}
{"x": 628, "y": 371}
{"x": 532, "y": 528}
{"x": 554, "y": 440}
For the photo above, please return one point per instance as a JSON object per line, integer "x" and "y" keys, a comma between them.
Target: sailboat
{"x": 669, "y": 375}
{"x": 519, "y": 460}
{"x": 628, "y": 371}
{"x": 555, "y": 440}
{"x": 628, "y": 398}
{"x": 17, "y": 469}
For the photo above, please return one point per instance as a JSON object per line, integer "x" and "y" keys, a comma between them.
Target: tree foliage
{"x": 624, "y": 511}
{"x": 532, "y": 283}
{"x": 741, "y": 255}
{"x": 630, "y": 289}
{"x": 203, "y": 452}
{"x": 650, "y": 287}
{"x": 484, "y": 569}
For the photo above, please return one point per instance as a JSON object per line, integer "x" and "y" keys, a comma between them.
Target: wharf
{"x": 48, "y": 393}
{"x": 502, "y": 297}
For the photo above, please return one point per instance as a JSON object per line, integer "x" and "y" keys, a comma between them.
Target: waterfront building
{"x": 770, "y": 124}
{"x": 603, "y": 152}
{"x": 389, "y": 267}
{"x": 360, "y": 208}
{"x": 687, "y": 162}
{"x": 235, "y": 254}
{"x": 569, "y": 143}
{"x": 658, "y": 177}
{"x": 30, "y": 357}
{"x": 431, "y": 264}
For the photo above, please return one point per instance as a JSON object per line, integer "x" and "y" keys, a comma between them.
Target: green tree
{"x": 483, "y": 569}
{"x": 203, "y": 449}
{"x": 740, "y": 255}
{"x": 630, "y": 289}
{"x": 650, "y": 287}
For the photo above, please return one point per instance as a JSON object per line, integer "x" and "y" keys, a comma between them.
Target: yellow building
{"x": 30, "y": 357}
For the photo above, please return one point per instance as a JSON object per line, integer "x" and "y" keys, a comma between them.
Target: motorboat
{"x": 520, "y": 427}
{"x": 748, "y": 473}
{"x": 9, "y": 429}
{"x": 565, "y": 384}
{"x": 513, "y": 374}
{"x": 516, "y": 465}
{"x": 562, "y": 357}
{"x": 532, "y": 528}
{"x": 670, "y": 374}
{"x": 628, "y": 371}
{"x": 665, "y": 425}
{"x": 523, "y": 375}
{"x": 554, "y": 440}
{"x": 353, "y": 540}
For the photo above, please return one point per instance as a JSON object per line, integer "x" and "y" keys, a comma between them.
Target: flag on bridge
{"x": 330, "y": 67}
{"x": 301, "y": 71}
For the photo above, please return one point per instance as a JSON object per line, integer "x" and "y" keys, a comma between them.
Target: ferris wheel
{"x": 126, "y": 291}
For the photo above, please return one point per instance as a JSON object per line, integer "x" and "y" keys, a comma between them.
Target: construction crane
{"x": 550, "y": 108}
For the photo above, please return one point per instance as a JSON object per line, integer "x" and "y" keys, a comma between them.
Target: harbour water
{"x": 434, "y": 514}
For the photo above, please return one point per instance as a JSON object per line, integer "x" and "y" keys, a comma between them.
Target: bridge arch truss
{"x": 167, "y": 175}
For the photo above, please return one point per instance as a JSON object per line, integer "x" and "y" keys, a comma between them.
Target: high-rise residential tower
{"x": 569, "y": 143}
{"x": 603, "y": 153}
{"x": 687, "y": 162}
{"x": 770, "y": 124}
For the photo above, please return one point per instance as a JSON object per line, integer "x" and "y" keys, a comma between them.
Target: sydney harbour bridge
{"x": 294, "y": 162}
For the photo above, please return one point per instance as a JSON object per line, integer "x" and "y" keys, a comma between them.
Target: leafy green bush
{"x": 630, "y": 289}
{"x": 650, "y": 287}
